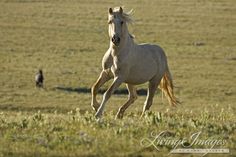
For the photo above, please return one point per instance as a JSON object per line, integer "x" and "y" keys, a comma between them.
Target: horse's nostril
{"x": 112, "y": 39}
{"x": 115, "y": 39}
{"x": 118, "y": 39}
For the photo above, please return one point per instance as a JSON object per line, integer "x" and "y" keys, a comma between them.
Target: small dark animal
{"x": 39, "y": 79}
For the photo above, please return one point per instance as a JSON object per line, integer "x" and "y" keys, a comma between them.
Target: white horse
{"x": 133, "y": 64}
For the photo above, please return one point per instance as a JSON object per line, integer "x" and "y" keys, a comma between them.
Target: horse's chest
{"x": 119, "y": 66}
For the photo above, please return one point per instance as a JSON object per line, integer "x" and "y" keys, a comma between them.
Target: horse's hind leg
{"x": 132, "y": 97}
{"x": 151, "y": 92}
{"x": 103, "y": 78}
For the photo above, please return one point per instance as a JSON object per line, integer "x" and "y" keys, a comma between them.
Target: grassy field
{"x": 67, "y": 39}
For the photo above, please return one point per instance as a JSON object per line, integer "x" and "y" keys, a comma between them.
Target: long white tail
{"x": 166, "y": 85}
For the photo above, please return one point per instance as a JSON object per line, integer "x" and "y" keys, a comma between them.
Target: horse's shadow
{"x": 121, "y": 91}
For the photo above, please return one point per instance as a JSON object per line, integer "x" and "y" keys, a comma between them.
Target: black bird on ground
{"x": 39, "y": 79}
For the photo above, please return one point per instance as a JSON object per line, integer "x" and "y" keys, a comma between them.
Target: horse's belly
{"x": 140, "y": 75}
{"x": 134, "y": 81}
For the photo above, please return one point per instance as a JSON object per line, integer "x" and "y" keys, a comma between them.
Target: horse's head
{"x": 117, "y": 25}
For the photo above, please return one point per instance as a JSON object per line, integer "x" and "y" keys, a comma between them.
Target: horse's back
{"x": 152, "y": 48}
{"x": 155, "y": 51}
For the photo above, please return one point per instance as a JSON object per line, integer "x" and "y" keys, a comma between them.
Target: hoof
{"x": 99, "y": 120}
{"x": 119, "y": 115}
{"x": 98, "y": 115}
{"x": 95, "y": 106}
{"x": 142, "y": 115}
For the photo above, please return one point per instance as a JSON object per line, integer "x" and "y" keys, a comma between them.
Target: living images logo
{"x": 194, "y": 144}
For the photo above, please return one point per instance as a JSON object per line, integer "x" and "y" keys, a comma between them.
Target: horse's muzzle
{"x": 116, "y": 40}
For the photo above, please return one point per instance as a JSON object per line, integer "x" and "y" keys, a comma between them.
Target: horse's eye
{"x": 122, "y": 22}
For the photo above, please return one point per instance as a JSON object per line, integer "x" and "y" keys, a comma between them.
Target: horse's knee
{"x": 100, "y": 81}
{"x": 93, "y": 88}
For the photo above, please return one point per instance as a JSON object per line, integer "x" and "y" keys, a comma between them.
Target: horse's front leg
{"x": 132, "y": 97}
{"x": 103, "y": 78}
{"x": 116, "y": 83}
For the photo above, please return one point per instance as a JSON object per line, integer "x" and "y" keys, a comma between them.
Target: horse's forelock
{"x": 125, "y": 16}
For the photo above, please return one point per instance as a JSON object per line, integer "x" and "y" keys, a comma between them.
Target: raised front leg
{"x": 132, "y": 97}
{"x": 103, "y": 78}
{"x": 116, "y": 83}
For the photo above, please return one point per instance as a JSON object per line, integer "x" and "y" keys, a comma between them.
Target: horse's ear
{"x": 121, "y": 10}
{"x": 110, "y": 11}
